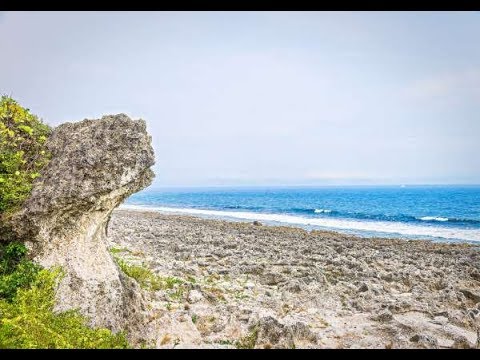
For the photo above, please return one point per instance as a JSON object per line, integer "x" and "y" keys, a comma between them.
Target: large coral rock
{"x": 95, "y": 165}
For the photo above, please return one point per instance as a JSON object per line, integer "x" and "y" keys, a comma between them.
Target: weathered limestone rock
{"x": 273, "y": 334}
{"x": 461, "y": 342}
{"x": 95, "y": 165}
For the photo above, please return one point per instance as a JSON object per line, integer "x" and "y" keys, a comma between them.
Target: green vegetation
{"x": 27, "y": 292}
{"x": 178, "y": 294}
{"x": 27, "y": 319}
{"x": 30, "y": 322}
{"x": 248, "y": 341}
{"x": 115, "y": 251}
{"x": 171, "y": 281}
{"x": 225, "y": 342}
{"x": 146, "y": 278}
{"x": 22, "y": 152}
{"x": 16, "y": 272}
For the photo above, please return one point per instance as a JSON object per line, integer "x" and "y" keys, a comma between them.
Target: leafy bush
{"x": 10, "y": 255}
{"x": 16, "y": 272}
{"x": 23, "y": 275}
{"x": 22, "y": 152}
{"x": 27, "y": 319}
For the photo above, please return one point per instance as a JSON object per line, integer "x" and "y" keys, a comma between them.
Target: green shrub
{"x": 22, "y": 152}
{"x": 21, "y": 278}
{"x": 10, "y": 255}
{"x": 28, "y": 321}
{"x": 16, "y": 272}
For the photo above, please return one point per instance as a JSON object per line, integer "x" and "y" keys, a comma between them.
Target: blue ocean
{"x": 442, "y": 213}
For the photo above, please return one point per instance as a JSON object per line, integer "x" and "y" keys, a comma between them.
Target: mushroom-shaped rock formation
{"x": 95, "y": 165}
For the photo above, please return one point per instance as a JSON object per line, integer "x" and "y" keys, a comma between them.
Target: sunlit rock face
{"x": 95, "y": 165}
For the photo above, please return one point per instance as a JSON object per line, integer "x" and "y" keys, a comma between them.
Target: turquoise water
{"x": 425, "y": 212}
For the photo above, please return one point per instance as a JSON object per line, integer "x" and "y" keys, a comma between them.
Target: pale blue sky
{"x": 258, "y": 98}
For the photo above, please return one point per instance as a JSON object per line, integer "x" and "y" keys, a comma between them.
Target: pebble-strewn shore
{"x": 245, "y": 285}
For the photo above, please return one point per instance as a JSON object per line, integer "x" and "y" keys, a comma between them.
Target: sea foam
{"x": 327, "y": 223}
{"x": 433, "y": 218}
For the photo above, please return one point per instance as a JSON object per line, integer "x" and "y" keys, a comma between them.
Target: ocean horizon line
{"x": 202, "y": 187}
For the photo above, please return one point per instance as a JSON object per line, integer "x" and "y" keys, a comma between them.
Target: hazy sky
{"x": 255, "y": 98}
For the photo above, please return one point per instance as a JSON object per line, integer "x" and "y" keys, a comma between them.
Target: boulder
{"x": 384, "y": 315}
{"x": 95, "y": 165}
{"x": 273, "y": 334}
{"x": 475, "y": 297}
{"x": 425, "y": 341}
{"x": 272, "y": 278}
{"x": 461, "y": 342}
{"x": 363, "y": 287}
{"x": 293, "y": 286}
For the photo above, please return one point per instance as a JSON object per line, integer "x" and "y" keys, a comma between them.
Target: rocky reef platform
{"x": 237, "y": 284}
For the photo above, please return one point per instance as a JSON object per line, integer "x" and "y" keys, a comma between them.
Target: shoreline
{"x": 361, "y": 229}
{"x": 314, "y": 289}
